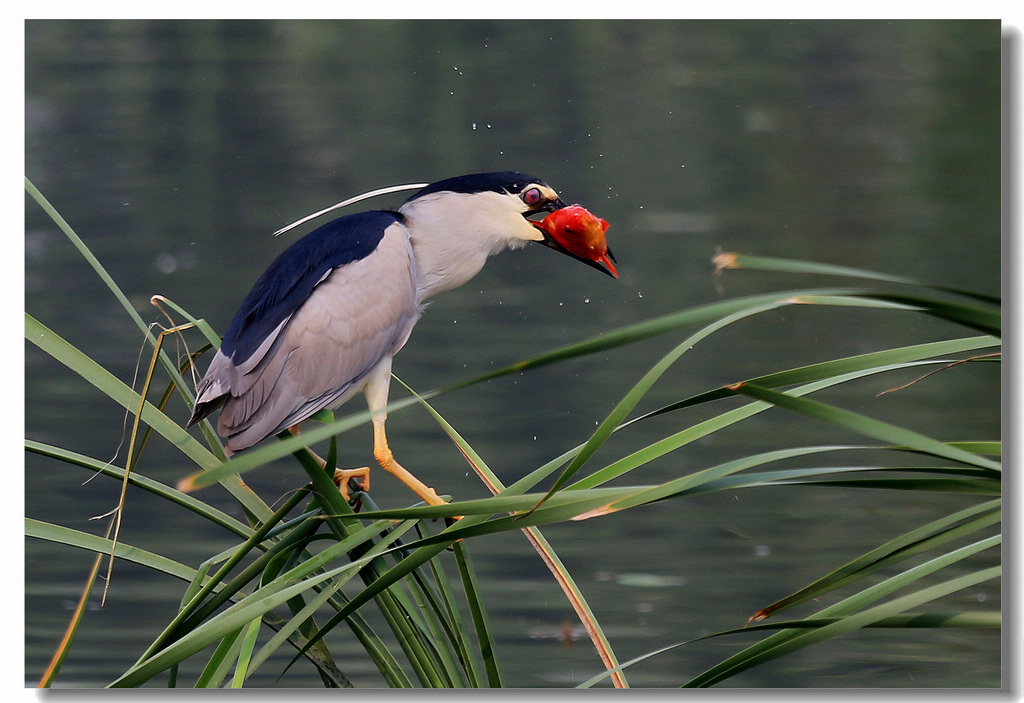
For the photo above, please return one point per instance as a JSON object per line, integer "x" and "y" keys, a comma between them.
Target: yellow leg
{"x": 378, "y": 382}
{"x": 386, "y": 459}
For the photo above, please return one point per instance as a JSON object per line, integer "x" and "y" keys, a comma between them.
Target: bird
{"x": 326, "y": 318}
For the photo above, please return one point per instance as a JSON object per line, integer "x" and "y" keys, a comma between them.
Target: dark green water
{"x": 175, "y": 149}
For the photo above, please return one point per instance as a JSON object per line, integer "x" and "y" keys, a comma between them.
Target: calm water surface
{"x": 175, "y": 149}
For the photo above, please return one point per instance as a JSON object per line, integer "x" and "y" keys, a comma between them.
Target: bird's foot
{"x": 426, "y": 493}
{"x": 342, "y": 476}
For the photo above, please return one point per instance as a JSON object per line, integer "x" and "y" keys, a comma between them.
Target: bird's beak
{"x": 574, "y": 231}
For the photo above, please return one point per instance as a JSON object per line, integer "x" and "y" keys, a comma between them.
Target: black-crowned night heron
{"x": 325, "y": 319}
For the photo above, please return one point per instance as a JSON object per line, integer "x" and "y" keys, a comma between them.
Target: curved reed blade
{"x": 730, "y": 260}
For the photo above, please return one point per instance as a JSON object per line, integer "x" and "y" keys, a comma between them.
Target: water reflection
{"x": 176, "y": 148}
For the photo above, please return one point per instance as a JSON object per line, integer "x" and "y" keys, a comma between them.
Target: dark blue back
{"x": 289, "y": 280}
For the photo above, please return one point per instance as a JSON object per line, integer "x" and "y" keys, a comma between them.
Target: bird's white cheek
{"x": 522, "y": 231}
{"x": 519, "y": 243}
{"x": 533, "y": 234}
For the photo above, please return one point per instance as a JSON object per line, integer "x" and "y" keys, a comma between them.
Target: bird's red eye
{"x": 533, "y": 196}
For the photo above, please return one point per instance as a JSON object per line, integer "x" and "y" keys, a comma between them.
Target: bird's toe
{"x": 342, "y": 477}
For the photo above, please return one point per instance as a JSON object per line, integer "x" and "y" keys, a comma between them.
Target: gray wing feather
{"x": 320, "y": 356}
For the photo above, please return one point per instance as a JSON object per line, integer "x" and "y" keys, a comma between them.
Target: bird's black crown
{"x": 496, "y": 181}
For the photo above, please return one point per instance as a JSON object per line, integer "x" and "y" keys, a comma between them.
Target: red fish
{"x": 582, "y": 234}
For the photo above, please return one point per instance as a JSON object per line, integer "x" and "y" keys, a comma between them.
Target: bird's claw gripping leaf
{"x": 582, "y": 234}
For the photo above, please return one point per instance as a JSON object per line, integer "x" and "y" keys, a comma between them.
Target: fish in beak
{"x": 575, "y": 231}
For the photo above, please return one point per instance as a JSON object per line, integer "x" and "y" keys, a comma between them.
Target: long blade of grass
{"x": 714, "y": 478}
{"x": 160, "y": 490}
{"x": 223, "y": 624}
{"x": 421, "y": 551}
{"x": 730, "y": 260}
{"x": 928, "y": 536}
{"x": 475, "y": 511}
{"x": 100, "y": 271}
{"x": 988, "y": 620}
{"x": 654, "y": 327}
{"x": 980, "y": 319}
{"x": 618, "y": 414}
{"x": 90, "y": 258}
{"x": 973, "y": 620}
{"x": 245, "y": 654}
{"x": 217, "y": 589}
{"x": 684, "y": 486}
{"x": 706, "y": 427}
{"x": 293, "y": 625}
{"x": 781, "y": 643}
{"x": 887, "y": 358}
{"x": 132, "y": 458}
{"x": 812, "y": 476}
{"x": 220, "y": 661}
{"x": 843, "y": 625}
{"x": 445, "y": 627}
{"x": 862, "y": 424}
{"x": 392, "y": 602}
{"x": 115, "y": 389}
{"x": 100, "y": 545}
{"x": 698, "y": 478}
{"x": 721, "y": 477}
{"x": 641, "y": 388}
{"x": 303, "y": 577}
{"x": 935, "y": 484}
{"x": 258, "y": 457}
{"x": 478, "y": 615}
{"x": 118, "y": 391}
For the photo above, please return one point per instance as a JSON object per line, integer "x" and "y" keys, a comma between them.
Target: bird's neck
{"x": 451, "y": 240}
